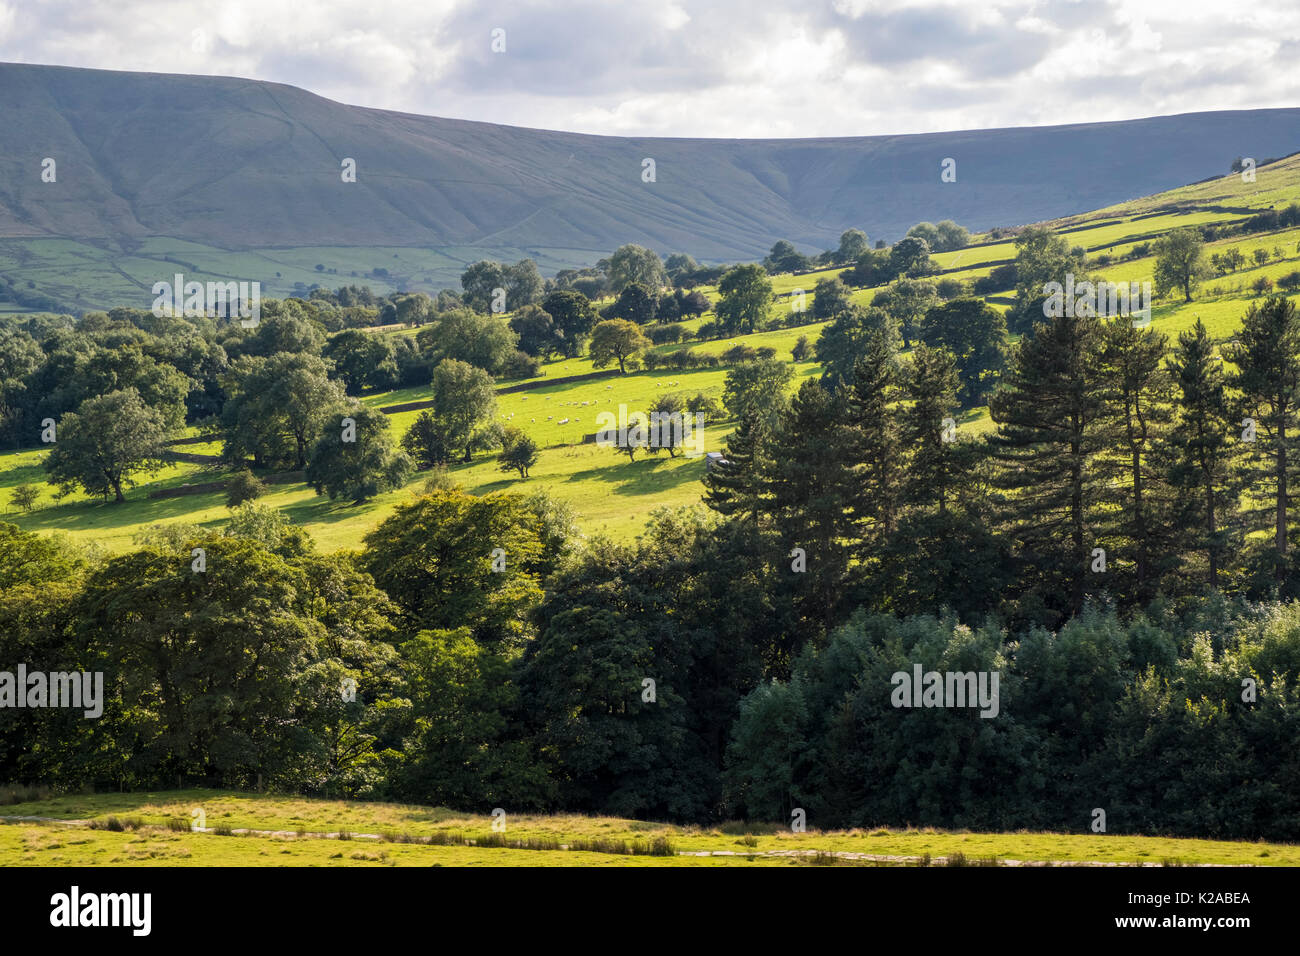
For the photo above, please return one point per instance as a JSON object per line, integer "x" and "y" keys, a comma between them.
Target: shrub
{"x": 740, "y": 353}
{"x": 707, "y": 405}
{"x": 667, "y": 334}
{"x": 24, "y": 496}
{"x": 950, "y": 288}
{"x": 1000, "y": 278}
{"x": 801, "y": 349}
{"x": 522, "y": 365}
{"x": 12, "y": 793}
{"x": 682, "y": 358}
{"x": 243, "y": 486}
{"x": 1290, "y": 281}
{"x": 1262, "y": 285}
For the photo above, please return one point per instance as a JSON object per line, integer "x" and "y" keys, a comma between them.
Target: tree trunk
{"x": 1076, "y": 512}
{"x": 1280, "y": 536}
{"x": 1209, "y": 511}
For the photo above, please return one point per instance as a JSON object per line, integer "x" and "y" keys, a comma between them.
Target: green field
{"x": 87, "y": 275}
{"x": 155, "y": 829}
{"x": 610, "y": 495}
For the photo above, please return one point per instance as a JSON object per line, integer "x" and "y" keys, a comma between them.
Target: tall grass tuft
{"x": 116, "y": 825}
{"x": 11, "y": 793}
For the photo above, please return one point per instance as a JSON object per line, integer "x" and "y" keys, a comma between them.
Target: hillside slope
{"x": 242, "y": 164}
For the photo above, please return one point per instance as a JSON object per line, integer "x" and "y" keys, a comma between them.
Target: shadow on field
{"x": 643, "y": 476}
{"x": 136, "y": 510}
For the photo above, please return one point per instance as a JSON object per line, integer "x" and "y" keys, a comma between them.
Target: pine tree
{"x": 1267, "y": 356}
{"x": 811, "y": 496}
{"x": 1203, "y": 454}
{"x": 874, "y": 442}
{"x": 1136, "y": 391}
{"x": 736, "y": 485}
{"x": 1046, "y": 414}
{"x": 930, "y": 388}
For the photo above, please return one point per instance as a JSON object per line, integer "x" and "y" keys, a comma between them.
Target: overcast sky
{"x": 705, "y": 67}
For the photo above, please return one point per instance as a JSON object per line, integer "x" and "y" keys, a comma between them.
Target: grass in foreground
{"x": 153, "y": 831}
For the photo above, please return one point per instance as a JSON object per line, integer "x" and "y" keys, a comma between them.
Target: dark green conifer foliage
{"x": 1136, "y": 391}
{"x": 1047, "y": 415}
{"x": 1267, "y": 356}
{"x": 1204, "y": 453}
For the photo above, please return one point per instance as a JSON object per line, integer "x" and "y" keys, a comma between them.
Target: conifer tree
{"x": 812, "y": 491}
{"x": 1136, "y": 392}
{"x": 1047, "y": 413}
{"x": 1203, "y": 453}
{"x": 1267, "y": 356}
{"x": 930, "y": 387}
{"x": 736, "y": 485}
{"x": 872, "y": 434}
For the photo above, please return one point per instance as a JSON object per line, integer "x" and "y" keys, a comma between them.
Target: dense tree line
{"x": 737, "y": 660}
{"x": 1118, "y": 548}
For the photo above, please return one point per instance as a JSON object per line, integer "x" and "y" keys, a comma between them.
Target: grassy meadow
{"x": 246, "y": 829}
{"x": 610, "y": 494}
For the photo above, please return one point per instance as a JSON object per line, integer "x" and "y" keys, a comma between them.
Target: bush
{"x": 667, "y": 334}
{"x": 24, "y": 496}
{"x": 682, "y": 358}
{"x": 740, "y": 353}
{"x": 706, "y": 405}
{"x": 439, "y": 480}
{"x": 521, "y": 365}
{"x": 1000, "y": 278}
{"x": 766, "y": 352}
{"x": 1262, "y": 285}
{"x": 243, "y": 486}
{"x": 950, "y": 288}
{"x": 708, "y": 330}
{"x": 801, "y": 349}
{"x": 1290, "y": 281}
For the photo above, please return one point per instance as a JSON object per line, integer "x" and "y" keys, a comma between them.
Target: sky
{"x": 723, "y": 68}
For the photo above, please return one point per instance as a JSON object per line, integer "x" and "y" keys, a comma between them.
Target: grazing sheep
{"x": 564, "y": 421}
